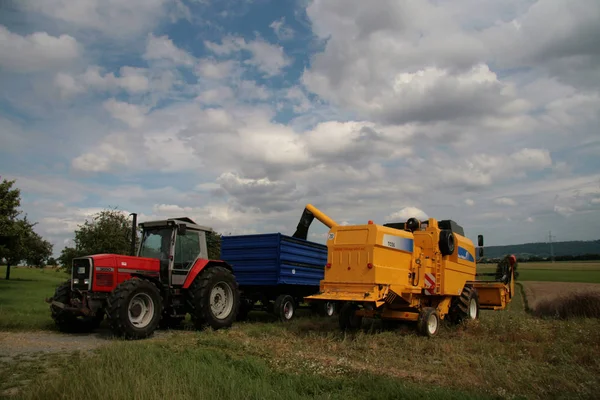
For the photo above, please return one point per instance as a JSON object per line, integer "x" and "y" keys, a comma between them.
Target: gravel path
{"x": 17, "y": 343}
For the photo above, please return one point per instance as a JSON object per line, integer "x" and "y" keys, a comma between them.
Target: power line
{"x": 550, "y": 237}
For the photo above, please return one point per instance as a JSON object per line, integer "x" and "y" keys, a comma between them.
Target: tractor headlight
{"x": 76, "y": 281}
{"x": 86, "y": 281}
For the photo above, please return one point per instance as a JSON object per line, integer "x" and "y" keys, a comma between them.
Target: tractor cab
{"x": 177, "y": 243}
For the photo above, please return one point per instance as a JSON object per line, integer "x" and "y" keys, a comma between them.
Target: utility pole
{"x": 551, "y": 246}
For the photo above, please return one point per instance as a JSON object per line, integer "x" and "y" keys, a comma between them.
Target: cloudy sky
{"x": 239, "y": 112}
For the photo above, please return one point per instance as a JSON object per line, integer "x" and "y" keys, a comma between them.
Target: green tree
{"x": 52, "y": 261}
{"x": 108, "y": 231}
{"x": 18, "y": 241}
{"x": 213, "y": 243}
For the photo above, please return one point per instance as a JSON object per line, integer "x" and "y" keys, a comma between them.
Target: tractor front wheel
{"x": 429, "y": 322}
{"x": 213, "y": 298}
{"x": 135, "y": 308}
{"x": 68, "y": 322}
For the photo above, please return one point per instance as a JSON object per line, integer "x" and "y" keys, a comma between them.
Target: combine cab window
{"x": 186, "y": 250}
{"x": 155, "y": 243}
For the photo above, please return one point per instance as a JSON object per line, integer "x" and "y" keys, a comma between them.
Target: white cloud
{"x": 505, "y": 201}
{"x": 131, "y": 114}
{"x": 266, "y": 57}
{"x": 406, "y": 213}
{"x": 114, "y": 18}
{"x": 162, "y": 48}
{"x": 470, "y": 202}
{"x": 131, "y": 80}
{"x": 282, "y": 31}
{"x": 38, "y": 51}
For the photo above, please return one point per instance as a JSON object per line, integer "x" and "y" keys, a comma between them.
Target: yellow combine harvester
{"x": 421, "y": 271}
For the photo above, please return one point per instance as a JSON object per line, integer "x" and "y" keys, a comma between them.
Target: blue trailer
{"x": 277, "y": 271}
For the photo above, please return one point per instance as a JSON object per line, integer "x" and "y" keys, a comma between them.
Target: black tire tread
{"x": 66, "y": 321}
{"x": 459, "y": 308}
{"x": 117, "y": 301}
{"x": 199, "y": 291}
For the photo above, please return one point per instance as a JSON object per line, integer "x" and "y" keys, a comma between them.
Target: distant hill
{"x": 542, "y": 250}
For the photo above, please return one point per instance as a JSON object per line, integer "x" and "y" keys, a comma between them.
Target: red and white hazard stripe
{"x": 429, "y": 284}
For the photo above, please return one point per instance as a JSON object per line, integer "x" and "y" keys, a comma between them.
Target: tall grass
{"x": 572, "y": 305}
{"x": 160, "y": 371}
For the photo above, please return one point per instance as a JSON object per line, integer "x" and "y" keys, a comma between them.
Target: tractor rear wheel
{"x": 429, "y": 322}
{"x": 67, "y": 321}
{"x": 213, "y": 298}
{"x": 465, "y": 306}
{"x": 135, "y": 309}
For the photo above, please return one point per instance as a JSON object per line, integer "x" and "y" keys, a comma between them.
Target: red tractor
{"x": 170, "y": 277}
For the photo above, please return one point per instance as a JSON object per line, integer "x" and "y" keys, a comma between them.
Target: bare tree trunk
{"x": 7, "y": 271}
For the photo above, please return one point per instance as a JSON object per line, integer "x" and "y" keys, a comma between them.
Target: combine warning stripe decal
{"x": 429, "y": 284}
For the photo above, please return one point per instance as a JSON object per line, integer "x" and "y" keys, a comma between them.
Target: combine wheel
{"x": 324, "y": 308}
{"x": 465, "y": 307}
{"x": 285, "y": 307}
{"x": 135, "y": 308}
{"x": 348, "y": 319}
{"x": 68, "y": 322}
{"x": 429, "y": 322}
{"x": 213, "y": 298}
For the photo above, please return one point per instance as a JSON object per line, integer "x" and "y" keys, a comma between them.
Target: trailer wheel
{"x": 135, "y": 309}
{"x": 285, "y": 307}
{"x": 213, "y": 298}
{"x": 348, "y": 319}
{"x": 246, "y": 305}
{"x": 465, "y": 306}
{"x": 68, "y": 322}
{"x": 429, "y": 322}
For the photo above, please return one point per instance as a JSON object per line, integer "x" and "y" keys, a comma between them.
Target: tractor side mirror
{"x": 480, "y": 240}
{"x": 181, "y": 229}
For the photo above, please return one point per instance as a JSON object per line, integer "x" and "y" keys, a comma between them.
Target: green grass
{"x": 505, "y": 354}
{"x": 22, "y": 297}
{"x": 585, "y": 272}
{"x": 197, "y": 371}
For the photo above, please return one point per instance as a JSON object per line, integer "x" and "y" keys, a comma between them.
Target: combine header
{"x": 422, "y": 271}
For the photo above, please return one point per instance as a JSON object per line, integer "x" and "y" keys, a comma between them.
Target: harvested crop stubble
{"x": 573, "y": 305}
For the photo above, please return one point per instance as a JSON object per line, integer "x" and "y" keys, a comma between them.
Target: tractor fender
{"x": 199, "y": 266}
{"x": 152, "y": 279}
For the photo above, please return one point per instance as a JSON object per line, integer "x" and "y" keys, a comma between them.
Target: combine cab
{"x": 422, "y": 271}
{"x": 170, "y": 277}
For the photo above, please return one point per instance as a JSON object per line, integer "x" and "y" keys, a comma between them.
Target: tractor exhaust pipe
{"x": 133, "y": 233}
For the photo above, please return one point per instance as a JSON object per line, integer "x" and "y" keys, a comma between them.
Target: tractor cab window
{"x": 187, "y": 248}
{"x": 156, "y": 243}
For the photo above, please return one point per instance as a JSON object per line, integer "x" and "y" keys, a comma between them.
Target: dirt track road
{"x": 13, "y": 344}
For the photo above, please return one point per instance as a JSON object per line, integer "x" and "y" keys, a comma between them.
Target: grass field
{"x": 555, "y": 272}
{"x": 506, "y": 354}
{"x": 22, "y": 297}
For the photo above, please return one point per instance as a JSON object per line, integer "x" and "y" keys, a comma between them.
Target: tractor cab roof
{"x": 189, "y": 223}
